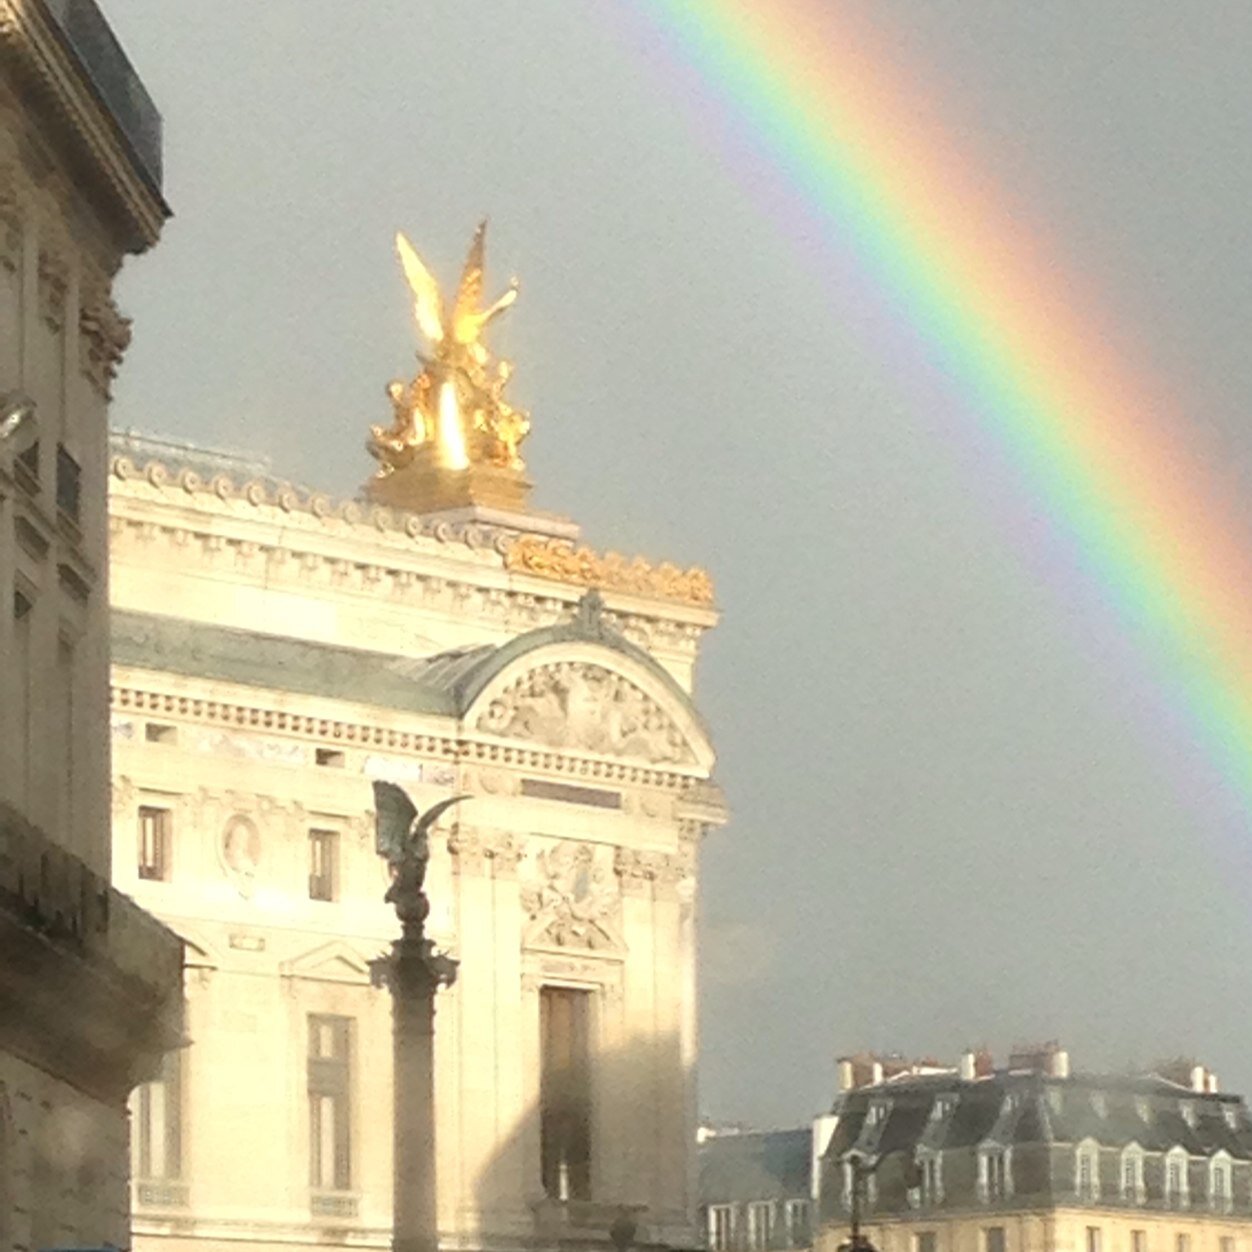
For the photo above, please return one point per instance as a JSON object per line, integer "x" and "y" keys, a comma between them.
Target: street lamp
{"x": 861, "y": 1166}
{"x": 414, "y": 971}
{"x": 16, "y": 411}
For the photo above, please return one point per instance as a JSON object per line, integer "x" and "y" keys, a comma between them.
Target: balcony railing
{"x": 95, "y": 47}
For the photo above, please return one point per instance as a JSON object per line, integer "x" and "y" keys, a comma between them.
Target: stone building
{"x": 90, "y": 987}
{"x": 274, "y": 652}
{"x": 1033, "y": 1158}
{"x": 755, "y": 1189}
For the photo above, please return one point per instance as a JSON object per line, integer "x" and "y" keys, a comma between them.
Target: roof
{"x": 447, "y": 683}
{"x": 756, "y": 1165}
{"x": 1013, "y": 1107}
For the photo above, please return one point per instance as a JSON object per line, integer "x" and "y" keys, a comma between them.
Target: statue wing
{"x": 395, "y": 814}
{"x": 470, "y": 293}
{"x": 427, "y": 301}
{"x": 434, "y": 813}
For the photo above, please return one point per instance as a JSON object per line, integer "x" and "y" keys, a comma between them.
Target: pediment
{"x": 332, "y": 962}
{"x": 585, "y": 699}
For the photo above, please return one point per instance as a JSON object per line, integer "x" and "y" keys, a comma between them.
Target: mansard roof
{"x": 755, "y": 1165}
{"x": 1008, "y": 1108}
{"x": 446, "y": 684}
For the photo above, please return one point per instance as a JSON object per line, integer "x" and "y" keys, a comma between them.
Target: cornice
{"x": 380, "y": 551}
{"x": 84, "y": 125}
{"x": 133, "y": 694}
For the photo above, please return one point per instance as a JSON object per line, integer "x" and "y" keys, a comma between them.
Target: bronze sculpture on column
{"x": 414, "y": 971}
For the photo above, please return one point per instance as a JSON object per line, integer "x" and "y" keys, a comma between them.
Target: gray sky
{"x": 960, "y": 816}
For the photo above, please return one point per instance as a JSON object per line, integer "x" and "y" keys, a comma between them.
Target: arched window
{"x": 1132, "y": 1174}
{"x": 1176, "y": 1191}
{"x": 1087, "y": 1171}
{"x": 1221, "y": 1191}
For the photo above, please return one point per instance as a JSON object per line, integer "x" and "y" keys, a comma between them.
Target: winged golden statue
{"x": 454, "y": 409}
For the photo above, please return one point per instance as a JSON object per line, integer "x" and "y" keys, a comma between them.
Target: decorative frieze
{"x": 642, "y": 873}
{"x": 478, "y": 852}
{"x": 577, "y": 705}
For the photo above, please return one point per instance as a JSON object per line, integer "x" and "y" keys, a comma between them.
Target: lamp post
{"x": 414, "y": 971}
{"x": 861, "y": 1168}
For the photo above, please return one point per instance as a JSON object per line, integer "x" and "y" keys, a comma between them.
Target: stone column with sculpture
{"x": 414, "y": 971}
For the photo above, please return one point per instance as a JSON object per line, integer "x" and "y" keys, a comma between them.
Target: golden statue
{"x": 453, "y": 415}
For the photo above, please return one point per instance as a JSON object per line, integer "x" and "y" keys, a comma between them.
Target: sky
{"x": 962, "y": 812}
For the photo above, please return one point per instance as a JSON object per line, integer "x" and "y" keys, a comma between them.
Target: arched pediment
{"x": 580, "y": 699}
{"x": 580, "y": 686}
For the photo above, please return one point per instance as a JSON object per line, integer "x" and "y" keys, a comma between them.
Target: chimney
{"x": 875, "y": 1070}
{"x": 1212, "y": 1083}
{"x": 846, "y": 1072}
{"x": 1199, "y": 1078}
{"x": 967, "y": 1071}
{"x": 1058, "y": 1063}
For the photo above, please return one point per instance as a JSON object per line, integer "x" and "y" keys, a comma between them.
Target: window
{"x": 330, "y": 1080}
{"x": 155, "y": 827}
{"x": 930, "y": 1175}
{"x": 323, "y": 864}
{"x": 1183, "y": 1243}
{"x": 69, "y": 484}
{"x": 1226, "y": 1244}
{"x": 1220, "y": 1196}
{"x": 156, "y": 1124}
{"x": 565, "y": 1092}
{"x": 1231, "y": 1114}
{"x": 924, "y": 1241}
{"x": 1093, "y": 1239}
{"x": 1143, "y": 1107}
{"x": 796, "y": 1215}
{"x": 1132, "y": 1175}
{"x": 760, "y": 1225}
{"x": 994, "y": 1178}
{"x": 1099, "y": 1104}
{"x": 1087, "y": 1171}
{"x": 942, "y": 1106}
{"x": 1176, "y": 1178}
{"x": 27, "y": 464}
{"x": 330, "y": 757}
{"x": 1138, "y": 1241}
{"x": 876, "y": 1114}
{"x": 993, "y": 1239}
{"x": 160, "y": 732}
{"x": 721, "y": 1227}
{"x": 22, "y": 615}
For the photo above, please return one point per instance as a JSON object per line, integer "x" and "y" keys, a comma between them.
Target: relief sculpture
{"x": 574, "y": 705}
{"x": 571, "y": 898}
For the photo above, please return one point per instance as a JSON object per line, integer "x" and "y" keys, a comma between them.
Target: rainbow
{"x": 1089, "y": 438}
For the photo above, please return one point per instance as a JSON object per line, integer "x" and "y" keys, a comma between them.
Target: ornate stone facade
{"x": 90, "y": 986}
{"x": 273, "y": 654}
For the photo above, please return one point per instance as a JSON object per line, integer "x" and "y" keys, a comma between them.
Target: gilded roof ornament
{"x": 454, "y": 439}
{"x": 560, "y": 559}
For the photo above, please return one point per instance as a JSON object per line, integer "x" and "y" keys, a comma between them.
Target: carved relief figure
{"x": 575, "y": 705}
{"x": 571, "y": 898}
{"x": 241, "y": 853}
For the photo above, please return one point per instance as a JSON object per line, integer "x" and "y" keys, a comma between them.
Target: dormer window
{"x": 1143, "y": 1109}
{"x": 1176, "y": 1194}
{"x": 995, "y": 1174}
{"x": 1056, "y": 1101}
{"x": 930, "y": 1178}
{"x": 1231, "y": 1113}
{"x": 1132, "y": 1175}
{"x": 877, "y": 1113}
{"x": 1087, "y": 1172}
{"x": 941, "y": 1108}
{"x": 1221, "y": 1194}
{"x": 1099, "y": 1104}
{"x": 1189, "y": 1113}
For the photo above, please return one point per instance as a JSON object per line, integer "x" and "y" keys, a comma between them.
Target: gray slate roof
{"x": 757, "y": 1165}
{"x": 445, "y": 684}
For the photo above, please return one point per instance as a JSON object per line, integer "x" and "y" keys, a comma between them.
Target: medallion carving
{"x": 576, "y": 705}
{"x": 241, "y": 853}
{"x": 571, "y": 897}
